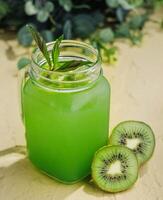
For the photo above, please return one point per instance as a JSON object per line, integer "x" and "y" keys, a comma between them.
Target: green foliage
{"x": 67, "y": 29}
{"x": 136, "y": 37}
{"x": 72, "y": 64}
{"x": 84, "y": 25}
{"x": 30, "y": 8}
{"x": 101, "y": 21}
{"x": 112, "y": 3}
{"x": 52, "y": 58}
{"x": 158, "y": 3}
{"x": 47, "y": 35}
{"x": 56, "y": 52}
{"x": 4, "y": 9}
{"x": 40, "y": 43}
{"x": 106, "y": 35}
{"x": 42, "y": 12}
{"x": 120, "y": 14}
{"x": 126, "y": 4}
{"x": 123, "y": 30}
{"x": 138, "y": 21}
{"x": 23, "y": 62}
{"x": 110, "y": 55}
{"x": 66, "y": 4}
{"x": 136, "y": 3}
{"x": 24, "y": 37}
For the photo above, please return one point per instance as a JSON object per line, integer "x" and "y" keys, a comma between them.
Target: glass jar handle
{"x": 22, "y": 78}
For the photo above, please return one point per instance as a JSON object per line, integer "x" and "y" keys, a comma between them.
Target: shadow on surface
{"x": 91, "y": 189}
{"x": 143, "y": 170}
{"x": 20, "y": 180}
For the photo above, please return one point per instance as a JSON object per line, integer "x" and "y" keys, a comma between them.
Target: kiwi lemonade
{"x": 65, "y": 111}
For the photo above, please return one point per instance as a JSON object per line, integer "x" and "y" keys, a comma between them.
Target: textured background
{"x": 137, "y": 93}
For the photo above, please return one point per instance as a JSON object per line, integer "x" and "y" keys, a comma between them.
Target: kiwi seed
{"x": 137, "y": 136}
{"x": 114, "y": 168}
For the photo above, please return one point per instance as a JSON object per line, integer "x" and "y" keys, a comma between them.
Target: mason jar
{"x": 65, "y": 113}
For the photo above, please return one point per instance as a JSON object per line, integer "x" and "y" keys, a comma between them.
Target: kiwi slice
{"x": 114, "y": 168}
{"x": 137, "y": 136}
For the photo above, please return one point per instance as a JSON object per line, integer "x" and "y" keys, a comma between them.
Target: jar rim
{"x": 64, "y": 42}
{"x": 92, "y": 72}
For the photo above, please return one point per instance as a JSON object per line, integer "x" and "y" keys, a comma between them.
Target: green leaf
{"x": 44, "y": 11}
{"x": 23, "y": 62}
{"x": 138, "y": 21}
{"x": 136, "y": 3}
{"x": 49, "y": 6}
{"x": 40, "y": 43}
{"x": 123, "y": 30}
{"x": 30, "y": 8}
{"x": 125, "y": 4}
{"x": 112, "y": 3}
{"x": 95, "y": 44}
{"x": 136, "y": 38}
{"x": 42, "y": 15}
{"x": 106, "y": 35}
{"x": 98, "y": 17}
{"x": 82, "y": 6}
{"x": 158, "y": 4}
{"x": 111, "y": 55}
{"x": 47, "y": 35}
{"x": 24, "y": 37}
{"x": 56, "y": 52}
{"x": 67, "y": 29}
{"x": 72, "y": 64}
{"x": 83, "y": 25}
{"x": 4, "y": 9}
{"x": 120, "y": 14}
{"x": 66, "y": 4}
{"x": 112, "y": 50}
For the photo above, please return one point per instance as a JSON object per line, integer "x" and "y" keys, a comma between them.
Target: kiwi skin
{"x": 154, "y": 141}
{"x": 113, "y": 191}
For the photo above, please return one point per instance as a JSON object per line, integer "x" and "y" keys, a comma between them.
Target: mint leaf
{"x": 40, "y": 43}
{"x": 55, "y": 64}
{"x": 72, "y": 64}
{"x": 56, "y": 52}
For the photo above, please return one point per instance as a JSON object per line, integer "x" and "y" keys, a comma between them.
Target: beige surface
{"x": 137, "y": 93}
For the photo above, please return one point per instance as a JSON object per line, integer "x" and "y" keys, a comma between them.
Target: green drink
{"x": 66, "y": 119}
